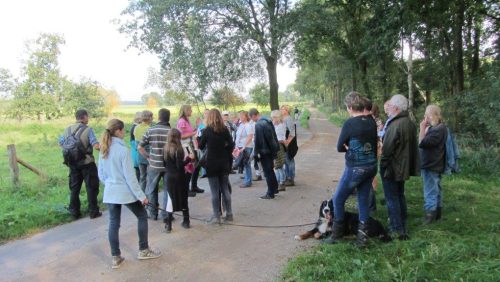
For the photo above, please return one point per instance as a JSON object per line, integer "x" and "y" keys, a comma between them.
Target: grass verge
{"x": 463, "y": 246}
{"x": 304, "y": 118}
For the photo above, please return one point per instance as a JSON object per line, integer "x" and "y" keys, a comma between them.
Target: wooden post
{"x": 32, "y": 168}
{"x": 14, "y": 168}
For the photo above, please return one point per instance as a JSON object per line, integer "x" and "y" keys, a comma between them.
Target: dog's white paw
{"x": 297, "y": 237}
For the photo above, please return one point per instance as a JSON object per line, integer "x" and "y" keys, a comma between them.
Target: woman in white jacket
{"x": 121, "y": 188}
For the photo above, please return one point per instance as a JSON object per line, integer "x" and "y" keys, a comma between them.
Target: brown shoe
{"x": 289, "y": 182}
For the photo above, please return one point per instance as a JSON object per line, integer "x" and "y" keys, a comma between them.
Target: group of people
{"x": 399, "y": 151}
{"x": 215, "y": 145}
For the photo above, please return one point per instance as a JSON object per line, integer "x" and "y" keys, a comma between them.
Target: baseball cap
{"x": 225, "y": 113}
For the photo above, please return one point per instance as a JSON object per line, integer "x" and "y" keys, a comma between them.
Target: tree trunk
{"x": 385, "y": 84}
{"x": 363, "y": 67}
{"x": 410, "y": 78}
{"x": 353, "y": 73}
{"x": 272, "y": 73}
{"x": 458, "y": 44}
{"x": 475, "y": 56}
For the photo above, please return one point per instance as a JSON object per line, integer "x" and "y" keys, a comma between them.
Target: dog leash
{"x": 239, "y": 225}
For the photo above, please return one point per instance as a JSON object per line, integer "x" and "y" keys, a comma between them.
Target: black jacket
{"x": 219, "y": 147}
{"x": 432, "y": 148}
{"x": 400, "y": 149}
{"x": 266, "y": 142}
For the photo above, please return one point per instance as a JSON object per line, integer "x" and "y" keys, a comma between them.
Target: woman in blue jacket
{"x": 121, "y": 188}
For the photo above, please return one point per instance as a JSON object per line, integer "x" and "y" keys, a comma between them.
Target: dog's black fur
{"x": 375, "y": 227}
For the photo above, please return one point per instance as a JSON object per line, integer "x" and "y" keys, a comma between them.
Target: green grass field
{"x": 463, "y": 246}
{"x": 36, "y": 205}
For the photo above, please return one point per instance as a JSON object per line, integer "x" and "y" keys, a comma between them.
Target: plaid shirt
{"x": 156, "y": 137}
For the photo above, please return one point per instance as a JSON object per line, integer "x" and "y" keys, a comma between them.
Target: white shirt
{"x": 280, "y": 131}
{"x": 242, "y": 133}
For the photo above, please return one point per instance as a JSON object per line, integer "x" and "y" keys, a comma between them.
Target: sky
{"x": 94, "y": 48}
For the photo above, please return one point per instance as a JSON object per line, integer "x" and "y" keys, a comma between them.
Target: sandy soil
{"x": 79, "y": 251}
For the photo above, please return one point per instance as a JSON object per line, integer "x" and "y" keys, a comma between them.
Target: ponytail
{"x": 113, "y": 126}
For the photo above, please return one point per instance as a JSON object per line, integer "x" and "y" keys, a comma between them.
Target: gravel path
{"x": 79, "y": 251}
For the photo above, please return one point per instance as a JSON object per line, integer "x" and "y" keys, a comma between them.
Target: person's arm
{"x": 291, "y": 129}
{"x": 93, "y": 140}
{"x": 131, "y": 179}
{"x": 390, "y": 143}
{"x": 143, "y": 144}
{"x": 344, "y": 138}
{"x": 203, "y": 140}
{"x": 101, "y": 173}
{"x": 431, "y": 138}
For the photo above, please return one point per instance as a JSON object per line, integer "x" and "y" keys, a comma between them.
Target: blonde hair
{"x": 138, "y": 117}
{"x": 286, "y": 108}
{"x": 183, "y": 111}
{"x": 113, "y": 126}
{"x": 434, "y": 113}
{"x": 214, "y": 121}
{"x": 276, "y": 114}
{"x": 245, "y": 115}
{"x": 173, "y": 145}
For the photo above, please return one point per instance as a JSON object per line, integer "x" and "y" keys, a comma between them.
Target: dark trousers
{"x": 267, "y": 164}
{"x": 394, "y": 192}
{"x": 115, "y": 211}
{"x": 77, "y": 175}
{"x": 195, "y": 176}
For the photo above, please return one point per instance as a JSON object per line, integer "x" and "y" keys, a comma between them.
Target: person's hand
{"x": 191, "y": 156}
{"x": 346, "y": 147}
{"x": 145, "y": 202}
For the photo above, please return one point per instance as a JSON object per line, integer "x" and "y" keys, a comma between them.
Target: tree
{"x": 84, "y": 94}
{"x": 7, "y": 83}
{"x": 111, "y": 100}
{"x": 258, "y": 94}
{"x": 39, "y": 94}
{"x": 231, "y": 34}
{"x": 226, "y": 97}
{"x": 148, "y": 97}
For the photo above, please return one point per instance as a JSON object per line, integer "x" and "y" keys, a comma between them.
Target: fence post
{"x": 14, "y": 168}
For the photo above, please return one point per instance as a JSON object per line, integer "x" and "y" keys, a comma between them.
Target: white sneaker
{"x": 148, "y": 254}
{"x": 116, "y": 262}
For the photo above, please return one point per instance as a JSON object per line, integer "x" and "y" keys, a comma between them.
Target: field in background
{"x": 36, "y": 205}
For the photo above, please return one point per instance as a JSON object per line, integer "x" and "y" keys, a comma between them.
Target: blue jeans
{"x": 219, "y": 188}
{"x": 143, "y": 169}
{"x": 394, "y": 192}
{"x": 267, "y": 163}
{"x": 115, "y": 211}
{"x": 289, "y": 167}
{"x": 432, "y": 190}
{"x": 153, "y": 180}
{"x": 247, "y": 170}
{"x": 359, "y": 178}
{"x": 280, "y": 175}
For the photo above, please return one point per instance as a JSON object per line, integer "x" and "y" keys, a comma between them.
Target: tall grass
{"x": 463, "y": 246}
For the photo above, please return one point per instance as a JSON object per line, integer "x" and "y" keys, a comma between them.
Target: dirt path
{"x": 79, "y": 251}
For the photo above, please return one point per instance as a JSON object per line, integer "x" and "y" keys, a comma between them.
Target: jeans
{"x": 359, "y": 178}
{"x": 247, "y": 170}
{"x": 432, "y": 190}
{"x": 289, "y": 167}
{"x": 395, "y": 199}
{"x": 219, "y": 185}
{"x": 280, "y": 175}
{"x": 267, "y": 163}
{"x": 143, "y": 180}
{"x": 115, "y": 211}
{"x": 154, "y": 177}
{"x": 77, "y": 175}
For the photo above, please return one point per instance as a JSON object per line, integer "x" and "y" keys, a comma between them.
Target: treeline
{"x": 444, "y": 52}
{"x": 43, "y": 93}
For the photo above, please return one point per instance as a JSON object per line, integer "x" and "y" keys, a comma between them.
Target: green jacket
{"x": 400, "y": 157}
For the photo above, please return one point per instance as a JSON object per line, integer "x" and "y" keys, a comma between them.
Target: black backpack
{"x": 72, "y": 147}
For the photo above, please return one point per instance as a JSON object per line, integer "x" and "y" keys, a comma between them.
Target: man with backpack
{"x": 78, "y": 143}
{"x": 266, "y": 149}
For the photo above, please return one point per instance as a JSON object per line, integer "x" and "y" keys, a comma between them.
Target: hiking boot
{"x": 228, "y": 218}
{"x": 116, "y": 262}
{"x": 197, "y": 190}
{"x": 338, "y": 231}
{"x": 148, "y": 254}
{"x": 282, "y": 187}
{"x": 214, "y": 220}
{"x": 168, "y": 222}
{"x": 362, "y": 235}
{"x": 438, "y": 213}
{"x": 245, "y": 185}
{"x": 185, "y": 221}
{"x": 191, "y": 194}
{"x": 257, "y": 178}
{"x": 289, "y": 182}
{"x": 430, "y": 217}
{"x": 267, "y": 197}
{"x": 95, "y": 215}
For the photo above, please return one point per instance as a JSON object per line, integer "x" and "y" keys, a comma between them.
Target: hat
{"x": 225, "y": 113}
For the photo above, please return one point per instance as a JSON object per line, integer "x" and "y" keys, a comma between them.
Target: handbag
{"x": 202, "y": 158}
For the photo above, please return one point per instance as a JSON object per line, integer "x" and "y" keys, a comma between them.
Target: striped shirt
{"x": 156, "y": 137}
